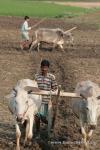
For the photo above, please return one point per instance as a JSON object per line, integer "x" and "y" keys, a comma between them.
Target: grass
{"x": 39, "y": 9}
{"x": 69, "y": 0}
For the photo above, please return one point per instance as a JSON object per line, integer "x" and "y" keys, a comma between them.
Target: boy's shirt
{"x": 25, "y": 27}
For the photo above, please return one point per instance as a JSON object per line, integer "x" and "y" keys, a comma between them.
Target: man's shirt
{"x": 47, "y": 83}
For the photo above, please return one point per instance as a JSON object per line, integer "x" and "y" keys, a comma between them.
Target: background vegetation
{"x": 39, "y": 9}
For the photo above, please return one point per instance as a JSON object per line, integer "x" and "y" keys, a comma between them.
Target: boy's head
{"x": 45, "y": 66}
{"x": 26, "y": 18}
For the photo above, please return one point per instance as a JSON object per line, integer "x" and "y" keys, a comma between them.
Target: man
{"x": 25, "y": 34}
{"x": 46, "y": 81}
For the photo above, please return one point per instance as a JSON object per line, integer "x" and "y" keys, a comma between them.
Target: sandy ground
{"x": 80, "y": 62}
{"x": 79, "y": 4}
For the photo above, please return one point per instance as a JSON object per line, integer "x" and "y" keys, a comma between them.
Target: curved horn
{"x": 70, "y": 30}
{"x": 83, "y": 96}
{"x": 30, "y": 88}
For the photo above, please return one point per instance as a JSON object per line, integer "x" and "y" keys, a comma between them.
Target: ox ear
{"x": 30, "y": 89}
{"x": 98, "y": 97}
{"x": 90, "y": 91}
{"x": 12, "y": 94}
{"x": 9, "y": 96}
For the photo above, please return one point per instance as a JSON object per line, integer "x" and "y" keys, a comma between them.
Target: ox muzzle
{"x": 92, "y": 126}
{"x": 20, "y": 117}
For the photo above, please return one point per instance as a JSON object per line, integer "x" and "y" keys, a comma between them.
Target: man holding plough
{"x": 25, "y": 40}
{"x": 47, "y": 82}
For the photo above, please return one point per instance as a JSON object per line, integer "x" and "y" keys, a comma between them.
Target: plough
{"x": 58, "y": 93}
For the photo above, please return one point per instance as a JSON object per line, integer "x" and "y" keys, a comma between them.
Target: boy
{"x": 25, "y": 33}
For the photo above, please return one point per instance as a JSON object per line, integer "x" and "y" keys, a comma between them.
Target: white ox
{"x": 57, "y": 37}
{"x": 24, "y": 106}
{"x": 87, "y": 108}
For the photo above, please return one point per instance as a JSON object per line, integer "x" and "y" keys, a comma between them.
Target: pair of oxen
{"x": 24, "y": 105}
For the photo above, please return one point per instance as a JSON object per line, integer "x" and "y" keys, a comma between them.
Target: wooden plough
{"x": 58, "y": 93}
{"x": 38, "y": 23}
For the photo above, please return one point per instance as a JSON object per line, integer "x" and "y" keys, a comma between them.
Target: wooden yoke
{"x": 37, "y": 91}
{"x": 62, "y": 94}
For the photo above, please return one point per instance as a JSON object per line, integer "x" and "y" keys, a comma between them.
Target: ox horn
{"x": 83, "y": 96}
{"x": 31, "y": 89}
{"x": 70, "y": 29}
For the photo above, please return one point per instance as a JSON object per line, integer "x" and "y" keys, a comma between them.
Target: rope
{"x": 27, "y": 110}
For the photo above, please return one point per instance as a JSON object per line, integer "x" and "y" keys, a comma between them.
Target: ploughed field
{"x": 76, "y": 63}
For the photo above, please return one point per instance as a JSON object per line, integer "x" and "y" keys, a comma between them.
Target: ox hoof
{"x": 30, "y": 51}
{"x": 88, "y": 137}
{"x": 86, "y": 146}
{"x": 17, "y": 148}
{"x": 62, "y": 50}
{"x": 29, "y": 137}
{"x": 27, "y": 143}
